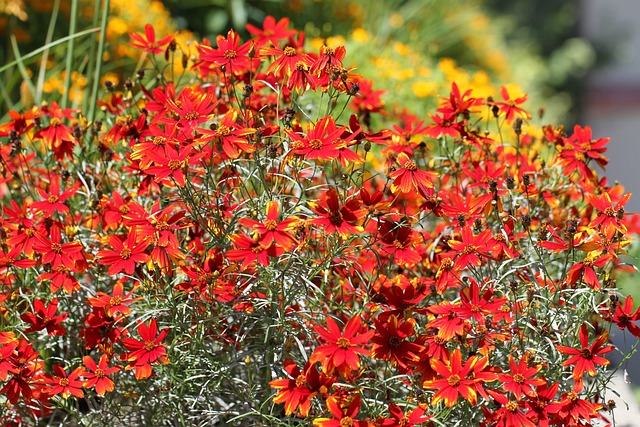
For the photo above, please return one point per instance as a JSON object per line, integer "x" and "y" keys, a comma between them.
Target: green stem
{"x": 96, "y": 76}
{"x": 70, "y": 51}
{"x": 45, "y": 55}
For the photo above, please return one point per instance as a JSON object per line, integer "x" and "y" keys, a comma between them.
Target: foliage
{"x": 248, "y": 236}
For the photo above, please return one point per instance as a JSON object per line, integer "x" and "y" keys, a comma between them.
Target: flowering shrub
{"x": 239, "y": 246}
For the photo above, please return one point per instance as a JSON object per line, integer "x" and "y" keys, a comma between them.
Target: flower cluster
{"x": 244, "y": 245}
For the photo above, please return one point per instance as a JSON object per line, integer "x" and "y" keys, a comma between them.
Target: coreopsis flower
{"x": 448, "y": 323}
{"x": 343, "y": 348}
{"x": 520, "y": 380}
{"x": 477, "y": 306}
{"x": 398, "y": 240}
{"x": 391, "y": 343}
{"x": 173, "y": 165}
{"x": 538, "y": 404}
{"x": 510, "y": 108}
{"x": 66, "y": 385}
{"x": 6, "y": 351}
{"x": 229, "y": 53}
{"x": 56, "y": 253}
{"x": 125, "y": 254}
{"x": 610, "y": 216}
{"x": 192, "y": 108}
{"x": 458, "y": 380}
{"x": 586, "y": 357}
{"x": 471, "y": 247}
{"x": 576, "y": 151}
{"x": 342, "y": 417}
{"x": 26, "y": 370}
{"x": 625, "y": 317}
{"x": 271, "y": 230}
{"x": 286, "y": 58}
{"x": 445, "y": 125}
{"x": 231, "y": 135}
{"x": 147, "y": 42}
{"x": 399, "y": 418}
{"x": 585, "y": 270}
{"x": 53, "y": 198}
{"x": 45, "y": 318}
{"x": 250, "y": 250}
{"x": 101, "y": 329}
{"x": 322, "y": 140}
{"x": 272, "y": 32}
{"x": 115, "y": 303}
{"x": 335, "y": 218}
{"x": 509, "y": 414}
{"x": 61, "y": 277}
{"x": 296, "y": 393}
{"x": 459, "y": 104}
{"x": 97, "y": 375}
{"x": 409, "y": 178}
{"x": 572, "y": 410}
{"x": 142, "y": 353}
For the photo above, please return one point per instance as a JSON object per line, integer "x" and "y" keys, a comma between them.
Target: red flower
{"x": 64, "y": 385}
{"x": 519, "y": 381}
{"x": 125, "y": 254}
{"x": 573, "y": 410}
{"x": 53, "y": 199}
{"x": 341, "y": 418}
{"x": 229, "y": 53}
{"x": 587, "y": 356}
{"x": 98, "y": 375}
{"x": 249, "y": 251}
{"x": 400, "y": 419}
{"x": 343, "y": 349}
{"x": 390, "y": 342}
{"x": 458, "y": 380}
{"x": 231, "y": 134}
{"x": 509, "y": 414}
{"x": 510, "y": 107}
{"x": 147, "y": 42}
{"x": 115, "y": 303}
{"x": 625, "y": 317}
{"x": 471, "y": 247}
{"x": 322, "y": 140}
{"x": 610, "y": 216}
{"x": 334, "y": 217}
{"x": 142, "y": 353}
{"x": 296, "y": 393}
{"x": 585, "y": 270}
{"x": 45, "y": 318}
{"x": 271, "y": 230}
{"x": 56, "y": 253}
{"x": 271, "y": 31}
{"x": 409, "y": 178}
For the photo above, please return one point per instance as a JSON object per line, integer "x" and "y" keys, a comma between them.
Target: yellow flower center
{"x": 454, "y": 380}
{"x": 343, "y": 343}
{"x": 125, "y": 253}
{"x": 289, "y": 51}
{"x": 230, "y": 54}
{"x": 270, "y": 225}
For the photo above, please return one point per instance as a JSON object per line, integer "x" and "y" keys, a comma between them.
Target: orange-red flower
{"x": 521, "y": 381}
{"x": 126, "y": 253}
{"x": 458, "y": 380}
{"x": 114, "y": 303}
{"x": 409, "y": 178}
{"x": 391, "y": 342}
{"x": 343, "y": 348}
{"x": 97, "y": 375}
{"x": 336, "y": 218}
{"x": 586, "y": 357}
{"x": 342, "y": 417}
{"x": 296, "y": 393}
{"x": 66, "y": 385}
{"x": 142, "y": 353}
{"x": 272, "y": 230}
{"x": 147, "y": 42}
{"x": 45, "y": 318}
